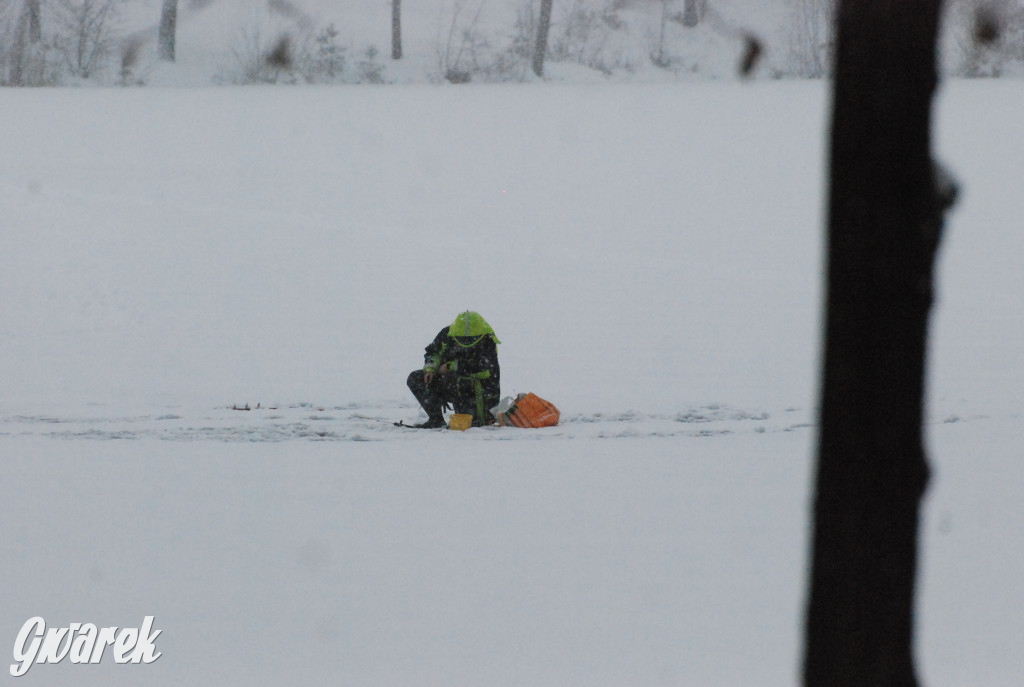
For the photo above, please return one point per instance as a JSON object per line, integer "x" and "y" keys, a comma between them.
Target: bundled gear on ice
{"x": 460, "y": 370}
{"x": 526, "y": 410}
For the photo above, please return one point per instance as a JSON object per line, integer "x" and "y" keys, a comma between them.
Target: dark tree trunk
{"x": 168, "y": 29}
{"x": 885, "y": 217}
{"x": 540, "y": 49}
{"x": 396, "y": 29}
{"x": 693, "y": 12}
{"x": 35, "y": 26}
{"x": 28, "y": 33}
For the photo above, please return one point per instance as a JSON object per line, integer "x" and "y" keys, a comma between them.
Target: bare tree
{"x": 886, "y": 204}
{"x": 19, "y": 44}
{"x": 396, "y": 29}
{"x": 693, "y": 12}
{"x": 812, "y": 34}
{"x": 22, "y": 57}
{"x": 540, "y": 48}
{"x": 84, "y": 34}
{"x": 35, "y": 24}
{"x": 168, "y": 29}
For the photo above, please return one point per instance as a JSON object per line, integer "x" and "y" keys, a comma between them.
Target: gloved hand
{"x": 428, "y": 375}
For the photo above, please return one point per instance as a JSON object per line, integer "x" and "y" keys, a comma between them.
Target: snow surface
{"x": 650, "y": 256}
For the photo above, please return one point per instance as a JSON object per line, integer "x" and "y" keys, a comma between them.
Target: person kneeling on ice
{"x": 460, "y": 368}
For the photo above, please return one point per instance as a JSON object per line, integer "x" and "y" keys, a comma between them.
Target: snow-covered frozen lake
{"x": 649, "y": 255}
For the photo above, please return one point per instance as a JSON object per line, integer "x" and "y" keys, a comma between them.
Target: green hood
{"x": 471, "y": 324}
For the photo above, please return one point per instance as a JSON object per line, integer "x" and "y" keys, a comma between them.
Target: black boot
{"x": 431, "y": 397}
{"x": 431, "y": 423}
